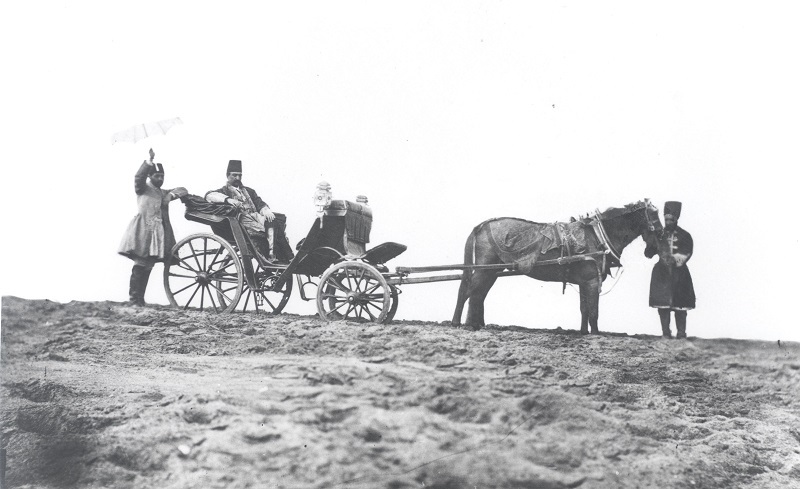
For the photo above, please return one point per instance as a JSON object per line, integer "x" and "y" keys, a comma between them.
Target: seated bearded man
{"x": 257, "y": 218}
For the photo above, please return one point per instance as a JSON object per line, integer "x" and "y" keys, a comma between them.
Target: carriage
{"x": 225, "y": 270}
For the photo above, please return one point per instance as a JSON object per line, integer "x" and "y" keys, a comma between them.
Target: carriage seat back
{"x": 357, "y": 224}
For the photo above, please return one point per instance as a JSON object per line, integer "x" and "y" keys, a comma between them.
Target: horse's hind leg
{"x": 482, "y": 281}
{"x": 590, "y": 305}
{"x": 463, "y": 289}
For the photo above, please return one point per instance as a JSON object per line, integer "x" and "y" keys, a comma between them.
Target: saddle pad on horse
{"x": 524, "y": 242}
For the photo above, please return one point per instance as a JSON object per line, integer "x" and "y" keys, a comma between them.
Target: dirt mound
{"x": 102, "y": 394}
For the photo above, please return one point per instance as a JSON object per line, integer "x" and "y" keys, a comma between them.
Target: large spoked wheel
{"x": 203, "y": 269}
{"x": 266, "y": 299}
{"x": 353, "y": 291}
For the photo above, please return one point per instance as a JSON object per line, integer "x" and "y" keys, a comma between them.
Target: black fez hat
{"x": 235, "y": 166}
{"x": 672, "y": 208}
{"x": 157, "y": 168}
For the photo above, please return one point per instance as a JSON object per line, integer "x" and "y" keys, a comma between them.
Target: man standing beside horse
{"x": 671, "y": 287}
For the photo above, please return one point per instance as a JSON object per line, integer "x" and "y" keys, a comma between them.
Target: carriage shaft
{"x": 438, "y": 278}
{"x": 497, "y": 266}
{"x": 440, "y": 268}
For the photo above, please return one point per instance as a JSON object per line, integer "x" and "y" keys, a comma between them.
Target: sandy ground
{"x": 100, "y": 394}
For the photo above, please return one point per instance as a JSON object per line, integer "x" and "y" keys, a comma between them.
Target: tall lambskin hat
{"x": 235, "y": 166}
{"x": 157, "y": 168}
{"x": 672, "y": 208}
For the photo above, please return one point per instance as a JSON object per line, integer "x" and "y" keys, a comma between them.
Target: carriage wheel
{"x": 267, "y": 300}
{"x": 354, "y": 291}
{"x": 201, "y": 265}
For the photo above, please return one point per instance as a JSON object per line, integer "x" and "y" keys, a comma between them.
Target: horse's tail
{"x": 463, "y": 289}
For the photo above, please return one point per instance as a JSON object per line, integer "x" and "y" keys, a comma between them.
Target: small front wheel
{"x": 354, "y": 291}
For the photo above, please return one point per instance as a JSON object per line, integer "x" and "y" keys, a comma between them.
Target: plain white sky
{"x": 443, "y": 113}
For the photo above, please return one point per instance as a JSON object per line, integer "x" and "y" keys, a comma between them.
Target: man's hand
{"x": 179, "y": 192}
{"x": 268, "y": 214}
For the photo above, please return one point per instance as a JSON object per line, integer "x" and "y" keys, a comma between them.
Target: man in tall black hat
{"x": 671, "y": 287}
{"x": 148, "y": 238}
{"x": 257, "y": 217}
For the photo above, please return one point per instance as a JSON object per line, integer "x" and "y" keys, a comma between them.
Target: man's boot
{"x": 133, "y": 288}
{"x": 140, "y": 275}
{"x": 680, "y": 322}
{"x": 663, "y": 315}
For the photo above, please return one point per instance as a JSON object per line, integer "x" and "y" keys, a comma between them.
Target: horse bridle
{"x": 650, "y": 222}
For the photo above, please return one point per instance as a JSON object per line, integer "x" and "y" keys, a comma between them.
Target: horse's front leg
{"x": 590, "y": 305}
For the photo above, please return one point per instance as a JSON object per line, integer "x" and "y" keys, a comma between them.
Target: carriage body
{"x": 225, "y": 270}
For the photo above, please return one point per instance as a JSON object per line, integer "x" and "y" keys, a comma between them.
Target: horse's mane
{"x": 613, "y": 212}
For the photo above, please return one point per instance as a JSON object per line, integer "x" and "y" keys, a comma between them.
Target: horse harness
{"x": 567, "y": 242}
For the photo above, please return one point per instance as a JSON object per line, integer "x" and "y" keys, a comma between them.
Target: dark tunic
{"x": 255, "y": 224}
{"x": 149, "y": 234}
{"x": 671, "y": 285}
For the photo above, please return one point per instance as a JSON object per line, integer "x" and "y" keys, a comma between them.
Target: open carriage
{"x": 224, "y": 270}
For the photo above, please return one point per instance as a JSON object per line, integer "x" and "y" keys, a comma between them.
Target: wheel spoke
{"x": 266, "y": 299}
{"x": 181, "y": 290}
{"x": 211, "y": 298}
{"x": 194, "y": 255}
{"x": 216, "y": 255}
{"x": 183, "y": 264}
{"x": 341, "y": 303}
{"x": 192, "y": 297}
{"x": 171, "y": 274}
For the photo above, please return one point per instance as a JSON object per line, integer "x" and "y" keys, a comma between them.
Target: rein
{"x": 601, "y": 233}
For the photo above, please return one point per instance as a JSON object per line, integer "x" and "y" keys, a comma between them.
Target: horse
{"x": 579, "y": 252}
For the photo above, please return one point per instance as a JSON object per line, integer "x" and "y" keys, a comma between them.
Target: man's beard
{"x": 237, "y": 183}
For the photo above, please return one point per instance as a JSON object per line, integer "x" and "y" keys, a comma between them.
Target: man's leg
{"x": 133, "y": 287}
{"x": 282, "y": 247}
{"x": 271, "y": 242}
{"x": 680, "y": 322}
{"x": 663, "y": 315}
{"x": 139, "y": 278}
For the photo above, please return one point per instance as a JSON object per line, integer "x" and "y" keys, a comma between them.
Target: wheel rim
{"x": 266, "y": 300}
{"x": 394, "y": 292}
{"x": 203, "y": 267}
{"x": 354, "y": 291}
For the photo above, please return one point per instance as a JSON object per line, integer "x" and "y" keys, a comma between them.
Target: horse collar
{"x": 600, "y": 230}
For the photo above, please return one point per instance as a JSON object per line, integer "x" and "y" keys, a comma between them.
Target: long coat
{"x": 149, "y": 234}
{"x": 671, "y": 284}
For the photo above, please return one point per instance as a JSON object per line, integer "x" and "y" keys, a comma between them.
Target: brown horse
{"x": 580, "y": 252}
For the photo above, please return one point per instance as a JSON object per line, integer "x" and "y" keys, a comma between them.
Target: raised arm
{"x": 140, "y": 179}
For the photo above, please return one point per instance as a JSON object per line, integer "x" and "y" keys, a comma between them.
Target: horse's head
{"x": 654, "y": 225}
{"x": 634, "y": 220}
{"x": 653, "y": 229}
